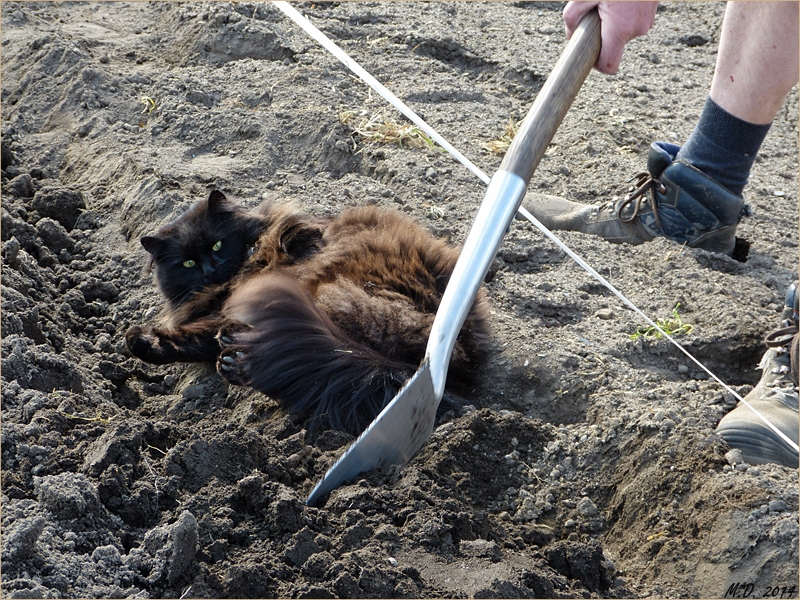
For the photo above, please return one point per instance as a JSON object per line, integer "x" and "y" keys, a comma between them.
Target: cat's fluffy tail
{"x": 294, "y": 353}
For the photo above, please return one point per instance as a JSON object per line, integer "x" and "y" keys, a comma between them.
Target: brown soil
{"x": 586, "y": 465}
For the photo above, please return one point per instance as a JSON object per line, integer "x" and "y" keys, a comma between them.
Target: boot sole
{"x": 758, "y": 443}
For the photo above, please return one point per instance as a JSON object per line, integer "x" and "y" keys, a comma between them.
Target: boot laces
{"x": 788, "y": 338}
{"x": 646, "y": 186}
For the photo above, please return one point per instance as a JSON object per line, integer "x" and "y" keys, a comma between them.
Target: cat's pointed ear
{"x": 216, "y": 200}
{"x": 154, "y": 245}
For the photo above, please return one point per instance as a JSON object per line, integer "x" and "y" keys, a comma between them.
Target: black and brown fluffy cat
{"x": 328, "y": 315}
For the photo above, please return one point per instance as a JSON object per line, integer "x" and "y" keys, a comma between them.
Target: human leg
{"x": 757, "y": 65}
{"x": 757, "y": 61}
{"x": 693, "y": 194}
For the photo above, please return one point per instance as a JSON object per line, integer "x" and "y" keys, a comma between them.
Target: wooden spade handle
{"x": 554, "y": 99}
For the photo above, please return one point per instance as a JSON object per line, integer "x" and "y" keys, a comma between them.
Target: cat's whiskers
{"x": 184, "y": 296}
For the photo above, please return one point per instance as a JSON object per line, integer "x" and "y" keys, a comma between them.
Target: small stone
{"x": 587, "y": 508}
{"x": 776, "y": 506}
{"x": 392, "y": 561}
{"x": 54, "y": 235}
{"x": 734, "y": 456}
{"x": 779, "y": 193}
{"x": 683, "y": 369}
{"x": 11, "y": 251}
{"x": 21, "y": 185}
{"x": 251, "y": 484}
{"x": 605, "y": 314}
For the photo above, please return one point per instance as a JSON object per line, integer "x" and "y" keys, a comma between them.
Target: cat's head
{"x": 205, "y": 246}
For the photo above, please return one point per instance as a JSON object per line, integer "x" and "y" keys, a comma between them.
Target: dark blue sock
{"x": 723, "y": 146}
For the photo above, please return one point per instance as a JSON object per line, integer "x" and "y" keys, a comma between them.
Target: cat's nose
{"x": 208, "y": 268}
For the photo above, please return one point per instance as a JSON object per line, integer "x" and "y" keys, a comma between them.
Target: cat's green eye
{"x": 217, "y": 245}
{"x": 188, "y": 263}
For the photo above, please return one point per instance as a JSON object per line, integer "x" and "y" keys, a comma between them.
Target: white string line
{"x": 329, "y": 45}
{"x": 635, "y": 309}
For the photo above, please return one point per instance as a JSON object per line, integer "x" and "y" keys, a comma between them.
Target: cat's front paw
{"x": 232, "y": 365}
{"x": 142, "y": 342}
{"x": 227, "y": 333}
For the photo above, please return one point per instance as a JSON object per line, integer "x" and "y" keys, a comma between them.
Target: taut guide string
{"x": 340, "y": 54}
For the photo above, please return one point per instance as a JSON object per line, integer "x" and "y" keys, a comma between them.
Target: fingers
{"x": 573, "y": 13}
{"x": 620, "y": 23}
{"x": 614, "y": 38}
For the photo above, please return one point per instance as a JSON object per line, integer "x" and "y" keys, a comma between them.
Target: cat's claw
{"x": 227, "y": 333}
{"x": 231, "y": 365}
{"x": 229, "y": 362}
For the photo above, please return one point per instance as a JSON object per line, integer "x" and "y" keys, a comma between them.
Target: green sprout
{"x": 671, "y": 326}
{"x": 149, "y": 104}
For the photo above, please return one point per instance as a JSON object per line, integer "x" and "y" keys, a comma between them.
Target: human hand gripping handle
{"x": 620, "y": 23}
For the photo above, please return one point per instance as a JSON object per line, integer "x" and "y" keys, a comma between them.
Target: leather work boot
{"x": 775, "y": 397}
{"x": 672, "y": 199}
